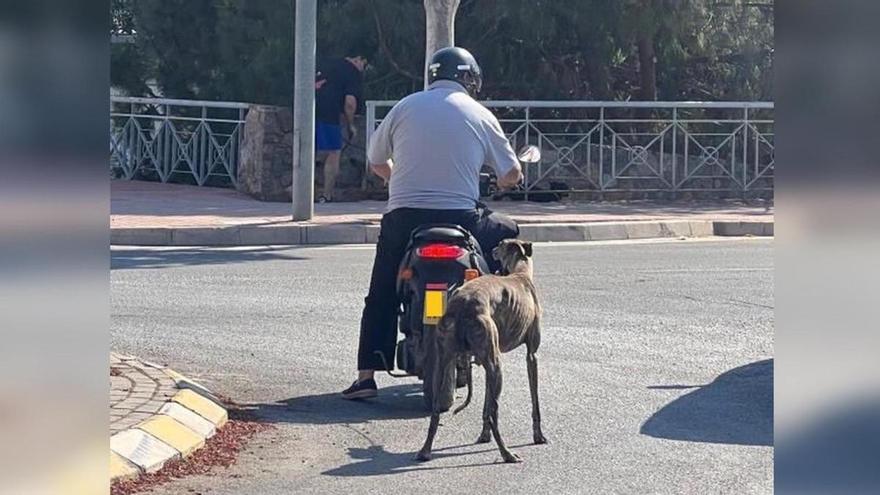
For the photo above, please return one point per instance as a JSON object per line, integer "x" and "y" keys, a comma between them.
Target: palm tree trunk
{"x": 439, "y": 27}
{"x": 599, "y": 79}
{"x": 647, "y": 68}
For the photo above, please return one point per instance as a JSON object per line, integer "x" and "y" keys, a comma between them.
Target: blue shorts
{"x": 328, "y": 137}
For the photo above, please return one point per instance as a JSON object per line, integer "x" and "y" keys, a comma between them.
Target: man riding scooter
{"x": 430, "y": 149}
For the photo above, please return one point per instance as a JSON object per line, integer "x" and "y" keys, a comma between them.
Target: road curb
{"x": 755, "y": 229}
{"x": 298, "y": 234}
{"x": 182, "y": 426}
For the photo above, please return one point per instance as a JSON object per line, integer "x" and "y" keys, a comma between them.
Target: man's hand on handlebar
{"x": 383, "y": 170}
{"x": 510, "y": 180}
{"x": 510, "y": 187}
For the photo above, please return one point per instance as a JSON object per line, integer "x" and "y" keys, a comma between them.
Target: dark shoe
{"x": 361, "y": 390}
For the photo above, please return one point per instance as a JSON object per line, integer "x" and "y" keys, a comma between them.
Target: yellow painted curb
{"x": 184, "y": 383}
{"x": 201, "y": 406}
{"x": 121, "y": 469}
{"x": 170, "y": 431}
{"x": 181, "y": 427}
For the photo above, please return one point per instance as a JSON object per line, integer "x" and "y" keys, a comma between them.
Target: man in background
{"x": 338, "y": 88}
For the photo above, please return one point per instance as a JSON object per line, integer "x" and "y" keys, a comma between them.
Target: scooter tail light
{"x": 440, "y": 252}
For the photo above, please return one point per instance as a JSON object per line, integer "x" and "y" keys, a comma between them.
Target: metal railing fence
{"x": 586, "y": 146}
{"x": 185, "y": 140}
{"x": 637, "y": 146}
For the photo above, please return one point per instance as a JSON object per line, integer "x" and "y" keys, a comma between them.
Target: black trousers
{"x": 379, "y": 320}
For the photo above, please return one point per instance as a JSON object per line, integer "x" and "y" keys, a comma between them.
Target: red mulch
{"x": 219, "y": 450}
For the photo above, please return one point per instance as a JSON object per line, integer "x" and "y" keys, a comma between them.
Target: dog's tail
{"x": 470, "y": 389}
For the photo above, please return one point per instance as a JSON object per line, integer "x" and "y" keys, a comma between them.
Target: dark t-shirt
{"x": 334, "y": 80}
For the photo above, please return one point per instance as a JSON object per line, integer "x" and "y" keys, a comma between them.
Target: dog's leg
{"x": 425, "y": 453}
{"x": 443, "y": 389}
{"x": 532, "y": 364}
{"x": 486, "y": 434}
{"x": 482, "y": 345}
{"x": 493, "y": 374}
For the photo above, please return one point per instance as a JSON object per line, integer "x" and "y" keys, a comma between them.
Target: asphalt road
{"x": 655, "y": 370}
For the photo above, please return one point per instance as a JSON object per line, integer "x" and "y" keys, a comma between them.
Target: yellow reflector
{"x": 435, "y": 305}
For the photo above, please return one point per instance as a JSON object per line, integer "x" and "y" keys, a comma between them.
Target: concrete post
{"x": 303, "y": 190}
{"x": 439, "y": 27}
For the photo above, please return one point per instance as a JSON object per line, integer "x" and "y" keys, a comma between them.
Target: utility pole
{"x": 303, "y": 189}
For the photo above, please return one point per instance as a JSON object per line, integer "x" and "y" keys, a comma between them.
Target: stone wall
{"x": 264, "y": 171}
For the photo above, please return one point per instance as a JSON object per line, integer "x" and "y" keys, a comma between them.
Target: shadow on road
{"x": 376, "y": 461}
{"x": 736, "y": 408}
{"x": 121, "y": 259}
{"x": 396, "y": 402}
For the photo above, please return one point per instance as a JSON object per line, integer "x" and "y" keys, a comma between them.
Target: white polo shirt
{"x": 439, "y": 139}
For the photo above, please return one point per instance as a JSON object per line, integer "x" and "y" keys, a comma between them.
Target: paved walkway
{"x": 152, "y": 204}
{"x": 150, "y": 213}
{"x": 137, "y": 392}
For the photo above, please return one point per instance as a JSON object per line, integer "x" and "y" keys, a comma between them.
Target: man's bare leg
{"x": 331, "y": 171}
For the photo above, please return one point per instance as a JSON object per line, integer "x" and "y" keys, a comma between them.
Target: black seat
{"x": 435, "y": 233}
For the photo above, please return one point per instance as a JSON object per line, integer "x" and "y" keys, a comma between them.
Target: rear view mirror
{"x": 529, "y": 154}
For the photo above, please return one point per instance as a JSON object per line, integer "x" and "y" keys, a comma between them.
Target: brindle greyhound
{"x": 484, "y": 318}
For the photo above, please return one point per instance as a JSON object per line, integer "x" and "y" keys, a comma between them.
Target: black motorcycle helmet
{"x": 456, "y": 64}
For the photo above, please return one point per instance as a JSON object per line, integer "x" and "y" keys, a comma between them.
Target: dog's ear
{"x": 525, "y": 248}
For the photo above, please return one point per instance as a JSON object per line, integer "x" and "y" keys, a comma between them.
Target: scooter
{"x": 439, "y": 259}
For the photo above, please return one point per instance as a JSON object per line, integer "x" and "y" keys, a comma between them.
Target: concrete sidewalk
{"x": 155, "y": 214}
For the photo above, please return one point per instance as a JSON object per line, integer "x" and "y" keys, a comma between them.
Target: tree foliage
{"x": 240, "y": 50}
{"x": 529, "y": 49}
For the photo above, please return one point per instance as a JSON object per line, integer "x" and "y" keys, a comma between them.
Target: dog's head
{"x": 514, "y": 255}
